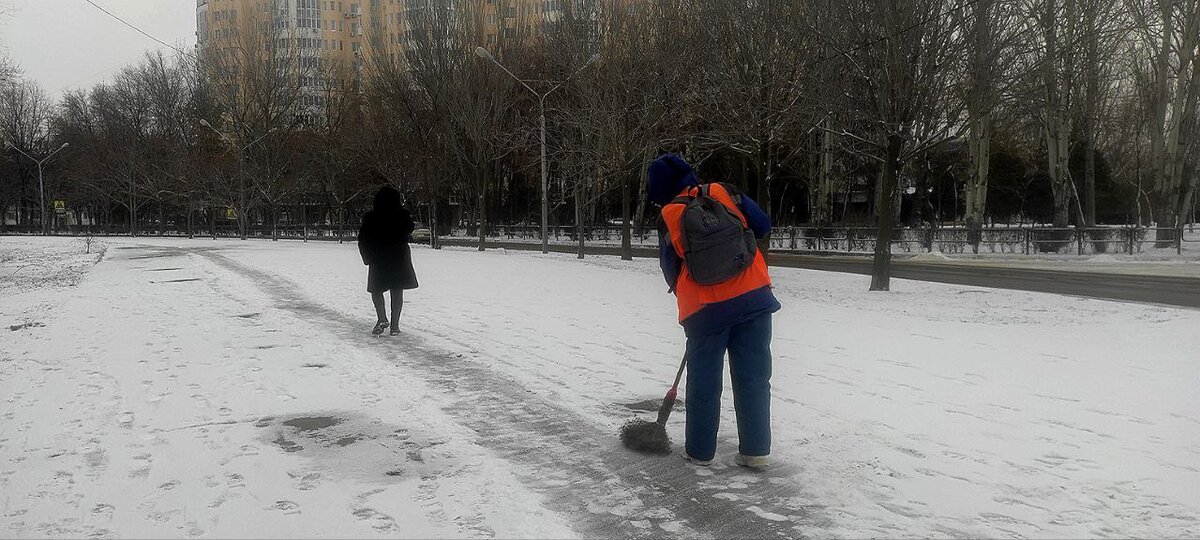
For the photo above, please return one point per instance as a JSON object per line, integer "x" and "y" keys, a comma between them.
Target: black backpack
{"x": 717, "y": 246}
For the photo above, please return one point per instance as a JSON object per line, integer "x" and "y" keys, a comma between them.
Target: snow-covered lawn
{"x": 230, "y": 389}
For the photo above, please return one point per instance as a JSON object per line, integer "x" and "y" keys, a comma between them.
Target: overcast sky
{"x": 65, "y": 44}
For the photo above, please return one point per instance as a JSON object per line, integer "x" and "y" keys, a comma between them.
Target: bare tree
{"x": 8, "y": 71}
{"x": 756, "y": 83}
{"x": 333, "y": 149}
{"x": 1053, "y": 64}
{"x": 262, "y": 83}
{"x": 1103, "y": 28}
{"x": 894, "y": 57}
{"x": 990, "y": 37}
{"x": 25, "y": 114}
{"x": 1170, "y": 31}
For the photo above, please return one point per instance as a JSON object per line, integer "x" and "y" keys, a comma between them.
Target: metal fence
{"x": 999, "y": 240}
{"x": 311, "y": 232}
{"x": 850, "y": 240}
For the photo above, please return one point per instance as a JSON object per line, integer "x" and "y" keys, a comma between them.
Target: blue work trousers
{"x": 749, "y": 347}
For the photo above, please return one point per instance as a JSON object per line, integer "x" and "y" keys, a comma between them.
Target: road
{"x": 1146, "y": 288}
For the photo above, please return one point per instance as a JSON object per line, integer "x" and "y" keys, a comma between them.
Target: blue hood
{"x": 667, "y": 176}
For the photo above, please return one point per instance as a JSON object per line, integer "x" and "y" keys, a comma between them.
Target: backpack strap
{"x": 684, "y": 199}
{"x": 733, "y": 192}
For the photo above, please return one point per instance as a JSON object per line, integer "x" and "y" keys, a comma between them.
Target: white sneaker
{"x": 694, "y": 461}
{"x": 753, "y": 462}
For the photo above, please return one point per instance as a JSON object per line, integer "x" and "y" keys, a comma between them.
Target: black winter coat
{"x": 383, "y": 244}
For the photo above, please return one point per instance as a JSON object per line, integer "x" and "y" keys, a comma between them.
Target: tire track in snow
{"x": 607, "y": 491}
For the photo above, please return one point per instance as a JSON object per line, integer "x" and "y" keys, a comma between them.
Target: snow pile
{"x": 932, "y": 256}
{"x": 1103, "y": 258}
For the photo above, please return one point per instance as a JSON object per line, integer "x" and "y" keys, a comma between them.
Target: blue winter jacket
{"x": 667, "y": 177}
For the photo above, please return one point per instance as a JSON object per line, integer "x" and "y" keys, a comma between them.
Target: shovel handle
{"x": 678, "y": 375}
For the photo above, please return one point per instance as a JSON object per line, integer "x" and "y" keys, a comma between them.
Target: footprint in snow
{"x": 378, "y": 521}
{"x": 287, "y": 507}
{"x": 168, "y": 486}
{"x": 305, "y": 481}
{"x": 104, "y": 511}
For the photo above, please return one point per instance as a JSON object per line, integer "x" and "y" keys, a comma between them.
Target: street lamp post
{"x": 41, "y": 184}
{"x": 541, "y": 96}
{"x": 241, "y": 173}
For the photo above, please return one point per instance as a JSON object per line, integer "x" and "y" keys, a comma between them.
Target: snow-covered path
{"x": 577, "y": 464}
{"x": 171, "y": 400}
{"x": 200, "y": 388}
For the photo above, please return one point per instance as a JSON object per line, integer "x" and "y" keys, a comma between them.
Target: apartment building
{"x": 351, "y": 32}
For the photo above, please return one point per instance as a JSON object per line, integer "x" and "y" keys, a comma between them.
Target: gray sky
{"x": 65, "y": 44}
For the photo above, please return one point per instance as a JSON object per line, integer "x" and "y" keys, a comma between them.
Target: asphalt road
{"x": 1154, "y": 289}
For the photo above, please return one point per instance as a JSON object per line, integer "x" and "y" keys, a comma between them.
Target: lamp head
{"x": 483, "y": 53}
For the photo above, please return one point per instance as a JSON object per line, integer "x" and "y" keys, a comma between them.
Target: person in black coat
{"x": 383, "y": 244}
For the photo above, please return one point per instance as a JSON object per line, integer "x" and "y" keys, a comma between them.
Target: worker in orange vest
{"x": 730, "y": 315}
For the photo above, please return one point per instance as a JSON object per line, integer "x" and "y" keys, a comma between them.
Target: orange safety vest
{"x": 692, "y": 296}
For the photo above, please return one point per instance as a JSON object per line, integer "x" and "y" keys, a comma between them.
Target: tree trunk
{"x": 881, "y": 268}
{"x": 1058, "y": 133}
{"x": 626, "y": 230}
{"x": 341, "y": 223}
{"x": 1089, "y": 180}
{"x": 132, "y": 212}
{"x": 579, "y": 219}
{"x": 482, "y": 212}
{"x": 824, "y": 207}
{"x": 1091, "y": 104}
{"x": 641, "y": 198}
{"x": 1158, "y": 124}
{"x": 813, "y": 162}
{"x": 434, "y": 240}
{"x": 1058, "y": 84}
{"x": 979, "y": 142}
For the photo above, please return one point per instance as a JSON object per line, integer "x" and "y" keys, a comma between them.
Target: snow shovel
{"x": 651, "y": 437}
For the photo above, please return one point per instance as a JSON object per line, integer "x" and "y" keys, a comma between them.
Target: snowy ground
{"x": 229, "y": 389}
